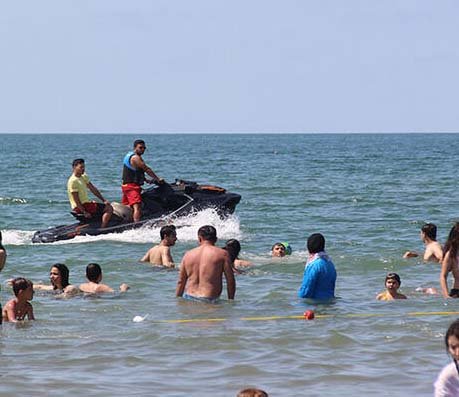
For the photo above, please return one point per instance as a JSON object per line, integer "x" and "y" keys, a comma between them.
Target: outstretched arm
{"x": 138, "y": 162}
{"x": 96, "y": 193}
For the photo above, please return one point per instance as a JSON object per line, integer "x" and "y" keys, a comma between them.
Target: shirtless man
{"x": 94, "y": 286}
{"x": 202, "y": 268}
{"x": 433, "y": 251}
{"x": 160, "y": 255}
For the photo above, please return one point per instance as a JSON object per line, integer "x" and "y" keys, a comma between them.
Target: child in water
{"x": 392, "y": 284}
{"x": 18, "y": 308}
{"x": 94, "y": 285}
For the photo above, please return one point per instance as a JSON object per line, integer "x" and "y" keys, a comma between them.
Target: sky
{"x": 229, "y": 66}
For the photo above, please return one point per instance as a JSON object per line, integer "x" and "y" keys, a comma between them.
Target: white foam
{"x": 187, "y": 229}
{"x": 17, "y": 237}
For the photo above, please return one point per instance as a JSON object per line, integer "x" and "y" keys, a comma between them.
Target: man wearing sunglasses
{"x": 134, "y": 169}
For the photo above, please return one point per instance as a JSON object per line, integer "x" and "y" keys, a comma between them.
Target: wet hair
{"x": 430, "y": 230}
{"x": 452, "y": 243}
{"x": 167, "y": 231}
{"x": 316, "y": 243}
{"x": 393, "y": 276}
{"x": 208, "y": 233}
{"x": 1, "y": 245}
{"x": 77, "y": 162}
{"x": 63, "y": 272}
{"x": 252, "y": 393}
{"x": 20, "y": 284}
{"x": 233, "y": 247}
{"x": 276, "y": 245}
{"x": 453, "y": 330}
{"x": 138, "y": 142}
{"x": 93, "y": 271}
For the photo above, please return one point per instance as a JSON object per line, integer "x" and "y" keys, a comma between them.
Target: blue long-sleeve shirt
{"x": 319, "y": 279}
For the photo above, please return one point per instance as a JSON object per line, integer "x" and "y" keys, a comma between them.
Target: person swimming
{"x": 233, "y": 247}
{"x": 59, "y": 279}
{"x": 392, "y": 284}
{"x": 279, "y": 250}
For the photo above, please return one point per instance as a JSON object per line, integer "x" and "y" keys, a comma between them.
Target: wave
{"x": 12, "y": 200}
{"x": 187, "y": 229}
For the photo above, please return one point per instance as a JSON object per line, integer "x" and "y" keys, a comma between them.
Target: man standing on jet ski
{"x": 134, "y": 169}
{"x": 77, "y": 190}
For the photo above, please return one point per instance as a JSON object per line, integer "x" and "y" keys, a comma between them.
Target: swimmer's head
{"x": 316, "y": 243}
{"x": 22, "y": 284}
{"x": 233, "y": 247}
{"x": 452, "y": 340}
{"x": 391, "y": 279}
{"x": 168, "y": 232}
{"x": 208, "y": 233}
{"x": 61, "y": 278}
{"x": 278, "y": 250}
{"x": 252, "y": 393}
{"x": 429, "y": 230}
{"x": 94, "y": 272}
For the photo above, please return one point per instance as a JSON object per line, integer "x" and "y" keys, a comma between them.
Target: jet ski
{"x": 160, "y": 205}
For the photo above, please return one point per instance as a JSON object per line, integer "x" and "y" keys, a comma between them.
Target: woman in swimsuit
{"x": 59, "y": 278}
{"x": 450, "y": 263}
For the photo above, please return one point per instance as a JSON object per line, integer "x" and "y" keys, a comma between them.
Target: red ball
{"x": 309, "y": 314}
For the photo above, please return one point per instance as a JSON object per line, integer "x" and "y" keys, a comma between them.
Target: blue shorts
{"x": 202, "y": 299}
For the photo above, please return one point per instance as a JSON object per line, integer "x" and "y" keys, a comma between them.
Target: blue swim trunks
{"x": 201, "y": 299}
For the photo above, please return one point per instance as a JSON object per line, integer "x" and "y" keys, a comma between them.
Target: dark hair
{"x": 393, "y": 276}
{"x": 316, "y": 243}
{"x": 252, "y": 393}
{"x": 208, "y": 233}
{"x": 138, "y": 142}
{"x": 167, "y": 231}
{"x": 452, "y": 243}
{"x": 1, "y": 245}
{"x": 93, "y": 271}
{"x": 276, "y": 244}
{"x": 430, "y": 230}
{"x": 233, "y": 247}
{"x": 76, "y": 162}
{"x": 20, "y": 284}
{"x": 453, "y": 330}
{"x": 63, "y": 272}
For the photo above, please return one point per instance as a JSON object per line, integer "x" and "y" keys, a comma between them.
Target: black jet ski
{"x": 160, "y": 205}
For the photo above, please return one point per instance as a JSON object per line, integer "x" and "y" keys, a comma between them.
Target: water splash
{"x": 187, "y": 229}
{"x": 12, "y": 200}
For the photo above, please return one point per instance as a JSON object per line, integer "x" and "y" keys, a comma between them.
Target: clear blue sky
{"x": 229, "y": 66}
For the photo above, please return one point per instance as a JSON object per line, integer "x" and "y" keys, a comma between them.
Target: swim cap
{"x": 288, "y": 249}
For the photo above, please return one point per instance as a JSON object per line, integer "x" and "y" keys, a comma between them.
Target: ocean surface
{"x": 368, "y": 194}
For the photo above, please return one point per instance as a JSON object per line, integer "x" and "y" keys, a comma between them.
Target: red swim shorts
{"x": 95, "y": 209}
{"x": 131, "y": 194}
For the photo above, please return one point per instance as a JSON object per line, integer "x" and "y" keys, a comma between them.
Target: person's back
{"x": 160, "y": 255}
{"x": 94, "y": 285}
{"x": 319, "y": 275}
{"x": 202, "y": 268}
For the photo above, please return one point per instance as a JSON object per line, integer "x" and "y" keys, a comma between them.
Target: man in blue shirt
{"x": 319, "y": 276}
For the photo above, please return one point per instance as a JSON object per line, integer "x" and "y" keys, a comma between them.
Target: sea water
{"x": 368, "y": 194}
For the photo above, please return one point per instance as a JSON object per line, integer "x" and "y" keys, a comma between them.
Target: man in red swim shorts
{"x": 134, "y": 169}
{"x": 77, "y": 190}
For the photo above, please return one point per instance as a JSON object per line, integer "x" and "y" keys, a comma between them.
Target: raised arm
{"x": 445, "y": 269}
{"x": 229, "y": 276}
